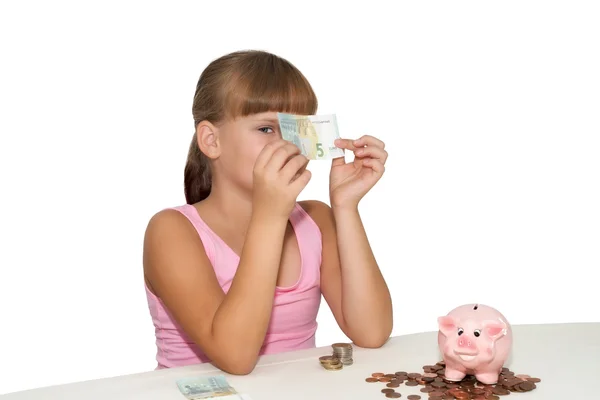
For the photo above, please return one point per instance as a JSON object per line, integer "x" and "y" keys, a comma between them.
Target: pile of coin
{"x": 340, "y": 357}
{"x": 438, "y": 388}
{"x": 330, "y": 363}
{"x": 343, "y": 351}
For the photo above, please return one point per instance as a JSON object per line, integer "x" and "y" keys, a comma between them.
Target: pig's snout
{"x": 466, "y": 348}
{"x": 465, "y": 342}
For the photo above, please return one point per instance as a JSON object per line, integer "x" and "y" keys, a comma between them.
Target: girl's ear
{"x": 208, "y": 139}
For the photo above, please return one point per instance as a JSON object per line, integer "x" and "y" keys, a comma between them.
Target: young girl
{"x": 239, "y": 270}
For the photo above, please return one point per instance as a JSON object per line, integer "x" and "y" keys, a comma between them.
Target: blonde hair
{"x": 236, "y": 85}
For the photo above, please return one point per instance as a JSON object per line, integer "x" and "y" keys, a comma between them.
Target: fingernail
{"x": 359, "y": 152}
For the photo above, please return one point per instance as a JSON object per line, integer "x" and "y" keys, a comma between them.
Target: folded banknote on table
{"x": 209, "y": 387}
{"x": 313, "y": 134}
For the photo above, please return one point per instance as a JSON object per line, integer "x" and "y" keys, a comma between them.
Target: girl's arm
{"x": 229, "y": 328}
{"x": 351, "y": 281}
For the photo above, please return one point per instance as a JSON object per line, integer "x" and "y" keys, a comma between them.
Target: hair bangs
{"x": 270, "y": 85}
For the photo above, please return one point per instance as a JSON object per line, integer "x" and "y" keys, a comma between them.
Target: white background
{"x": 489, "y": 111}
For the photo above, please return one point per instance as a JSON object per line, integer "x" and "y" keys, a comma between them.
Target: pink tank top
{"x": 293, "y": 319}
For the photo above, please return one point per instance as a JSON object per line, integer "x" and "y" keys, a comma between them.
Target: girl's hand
{"x": 280, "y": 175}
{"x": 349, "y": 182}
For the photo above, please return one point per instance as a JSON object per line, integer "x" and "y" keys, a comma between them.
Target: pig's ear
{"x": 495, "y": 329}
{"x": 447, "y": 325}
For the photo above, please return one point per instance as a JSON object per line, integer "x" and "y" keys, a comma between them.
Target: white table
{"x": 566, "y": 357}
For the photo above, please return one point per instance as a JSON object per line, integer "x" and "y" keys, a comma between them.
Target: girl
{"x": 239, "y": 270}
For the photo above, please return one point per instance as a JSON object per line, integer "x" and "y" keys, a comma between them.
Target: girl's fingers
{"x": 368, "y": 140}
{"x": 376, "y": 165}
{"x": 373, "y": 152}
{"x": 345, "y": 144}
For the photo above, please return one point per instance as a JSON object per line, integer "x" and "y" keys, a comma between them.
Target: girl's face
{"x": 241, "y": 141}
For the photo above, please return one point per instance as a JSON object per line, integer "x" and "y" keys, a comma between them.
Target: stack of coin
{"x": 330, "y": 363}
{"x": 343, "y": 351}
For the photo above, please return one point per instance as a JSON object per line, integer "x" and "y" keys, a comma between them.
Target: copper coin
{"x": 377, "y": 374}
{"x": 384, "y": 379}
{"x": 401, "y": 373}
{"x": 393, "y": 385}
{"x": 534, "y": 380}
{"x": 391, "y": 376}
{"x": 387, "y": 390}
{"x": 500, "y": 391}
{"x": 371, "y": 380}
{"x": 394, "y": 395}
{"x": 412, "y": 383}
{"x": 414, "y": 375}
{"x": 413, "y": 397}
{"x": 527, "y": 386}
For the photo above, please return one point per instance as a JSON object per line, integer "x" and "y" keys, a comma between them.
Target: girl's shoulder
{"x": 319, "y": 212}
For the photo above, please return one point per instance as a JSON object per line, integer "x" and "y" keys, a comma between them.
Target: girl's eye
{"x": 263, "y": 129}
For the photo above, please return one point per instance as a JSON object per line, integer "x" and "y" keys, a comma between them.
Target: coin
{"x": 387, "y": 390}
{"x": 438, "y": 387}
{"x": 372, "y": 380}
{"x": 333, "y": 367}
{"x": 413, "y": 397}
{"x": 329, "y": 360}
{"x": 394, "y": 395}
{"x": 343, "y": 351}
{"x": 342, "y": 345}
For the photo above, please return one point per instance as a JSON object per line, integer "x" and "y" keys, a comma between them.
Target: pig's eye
{"x": 460, "y": 331}
{"x": 477, "y": 333}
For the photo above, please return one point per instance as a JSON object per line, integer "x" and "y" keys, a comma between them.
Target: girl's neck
{"x": 230, "y": 203}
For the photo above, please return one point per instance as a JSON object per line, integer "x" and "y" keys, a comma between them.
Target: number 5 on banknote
{"x": 313, "y": 134}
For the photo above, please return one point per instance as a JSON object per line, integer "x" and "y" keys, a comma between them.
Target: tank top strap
{"x": 205, "y": 233}
{"x": 309, "y": 240}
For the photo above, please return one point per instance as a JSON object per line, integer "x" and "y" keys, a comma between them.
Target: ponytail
{"x": 197, "y": 174}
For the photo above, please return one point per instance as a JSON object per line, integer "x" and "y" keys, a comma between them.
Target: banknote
{"x": 313, "y": 134}
{"x": 206, "y": 387}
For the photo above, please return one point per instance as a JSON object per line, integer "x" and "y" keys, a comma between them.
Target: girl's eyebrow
{"x": 269, "y": 120}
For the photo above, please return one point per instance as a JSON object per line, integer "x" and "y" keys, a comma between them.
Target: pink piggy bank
{"x": 474, "y": 339}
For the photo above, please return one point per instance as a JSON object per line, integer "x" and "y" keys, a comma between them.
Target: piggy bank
{"x": 474, "y": 339}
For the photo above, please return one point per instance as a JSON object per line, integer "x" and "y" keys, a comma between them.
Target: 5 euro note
{"x": 313, "y": 134}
